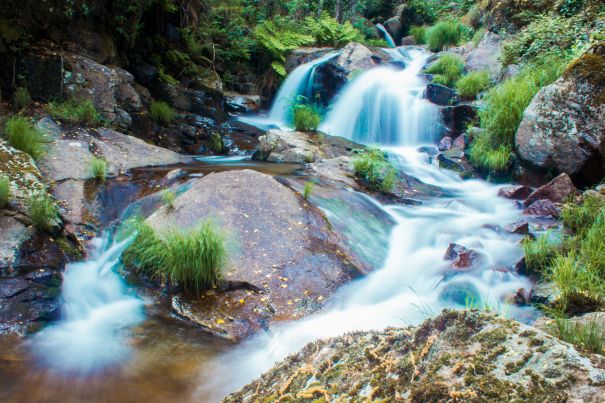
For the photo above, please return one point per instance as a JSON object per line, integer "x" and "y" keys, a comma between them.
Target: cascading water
{"x": 300, "y": 82}
{"x": 385, "y": 105}
{"x": 97, "y": 308}
{"x": 415, "y": 280}
{"x": 387, "y": 36}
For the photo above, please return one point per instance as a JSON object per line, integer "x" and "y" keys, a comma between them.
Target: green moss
{"x": 75, "y": 111}
{"x": 4, "y": 191}
{"x": 591, "y": 68}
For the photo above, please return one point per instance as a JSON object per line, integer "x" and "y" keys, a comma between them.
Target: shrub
{"x": 22, "y": 135}
{"x": 161, "y": 112}
{"x": 447, "y": 70}
{"x": 74, "y": 111}
{"x": 328, "y": 31}
{"x": 168, "y": 198}
{"x": 444, "y": 34}
{"x": 470, "y": 85}
{"x": 22, "y": 98}
{"x": 98, "y": 168}
{"x": 308, "y": 189}
{"x": 374, "y": 169}
{"x": 306, "y": 117}
{"x": 194, "y": 258}
{"x": 4, "y": 191}
{"x": 419, "y": 34}
{"x": 43, "y": 212}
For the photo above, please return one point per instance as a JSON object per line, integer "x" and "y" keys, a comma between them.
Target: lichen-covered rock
{"x": 458, "y": 356}
{"x": 563, "y": 128}
{"x": 486, "y": 55}
{"x": 285, "y": 146}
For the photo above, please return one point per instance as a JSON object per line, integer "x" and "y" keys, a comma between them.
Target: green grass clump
{"x": 22, "y": 98}
{"x": 503, "y": 111}
{"x": 539, "y": 252}
{"x": 22, "y": 135}
{"x": 216, "y": 143}
{"x": 161, "y": 112}
{"x": 308, "y": 189}
{"x": 194, "y": 259}
{"x": 374, "y": 169}
{"x": 447, "y": 70}
{"x": 43, "y": 212}
{"x": 168, "y": 198}
{"x": 589, "y": 336}
{"x": 419, "y": 34}
{"x": 98, "y": 168}
{"x": 470, "y": 85}
{"x": 5, "y": 191}
{"x": 478, "y": 36}
{"x": 75, "y": 111}
{"x": 306, "y": 117}
{"x": 445, "y": 34}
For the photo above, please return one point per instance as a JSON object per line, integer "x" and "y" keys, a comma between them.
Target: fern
{"x": 328, "y": 31}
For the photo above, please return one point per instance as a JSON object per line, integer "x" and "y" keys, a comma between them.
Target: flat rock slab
{"x": 282, "y": 253}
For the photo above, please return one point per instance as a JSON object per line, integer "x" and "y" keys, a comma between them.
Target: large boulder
{"x": 394, "y": 28}
{"x": 286, "y": 146}
{"x": 486, "y": 55}
{"x": 304, "y": 55}
{"x": 285, "y": 260}
{"x": 563, "y": 129}
{"x": 457, "y": 356}
{"x": 558, "y": 190}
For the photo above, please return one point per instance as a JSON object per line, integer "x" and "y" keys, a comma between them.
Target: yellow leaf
{"x": 219, "y": 321}
{"x": 241, "y": 301}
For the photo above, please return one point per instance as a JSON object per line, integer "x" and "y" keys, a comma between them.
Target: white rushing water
{"x": 415, "y": 281}
{"x": 97, "y": 309}
{"x": 387, "y": 36}
{"x": 300, "y": 82}
{"x": 385, "y": 105}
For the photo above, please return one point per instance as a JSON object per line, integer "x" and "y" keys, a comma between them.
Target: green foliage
{"x": 568, "y": 8}
{"x": 22, "y": 98}
{"x": 43, "y": 212}
{"x": 470, "y": 85}
{"x": 98, "y": 168}
{"x": 374, "y": 169}
{"x": 589, "y": 336}
{"x": 477, "y": 36}
{"x": 306, "y": 117}
{"x": 22, "y": 135}
{"x": 445, "y": 34}
{"x": 5, "y": 191}
{"x": 308, "y": 189}
{"x": 327, "y": 31}
{"x": 539, "y": 252}
{"x": 447, "y": 70}
{"x": 165, "y": 77}
{"x": 419, "y": 34}
{"x": 483, "y": 155}
{"x": 168, "y": 198}
{"x": 503, "y": 109}
{"x": 162, "y": 113}
{"x": 195, "y": 258}
{"x": 74, "y": 111}
{"x": 216, "y": 143}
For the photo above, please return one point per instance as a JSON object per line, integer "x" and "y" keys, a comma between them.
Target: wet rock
{"x": 519, "y": 228}
{"x": 42, "y": 69}
{"x": 558, "y": 190}
{"x": 486, "y": 55}
{"x": 454, "y": 160}
{"x": 440, "y": 94}
{"x": 283, "y": 248}
{"x": 126, "y": 94}
{"x": 461, "y": 257}
{"x": 145, "y": 73}
{"x": 521, "y": 267}
{"x": 459, "y": 142}
{"x": 304, "y": 55}
{"x": 563, "y": 128}
{"x": 289, "y": 147}
{"x": 543, "y": 208}
{"x": 456, "y": 119}
{"x": 13, "y": 235}
{"x": 240, "y": 103}
{"x": 470, "y": 355}
{"x": 515, "y": 192}
{"x": 393, "y": 27}
{"x": 409, "y": 40}
{"x": 444, "y": 144}
{"x": 522, "y": 297}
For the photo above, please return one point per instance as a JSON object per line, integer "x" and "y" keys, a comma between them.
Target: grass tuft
{"x": 470, "y": 85}
{"x": 375, "y": 170}
{"x": 43, "y": 212}
{"x": 22, "y": 98}
{"x": 216, "y": 143}
{"x": 74, "y": 111}
{"x": 589, "y": 336}
{"x": 22, "y": 135}
{"x": 194, "y": 259}
{"x": 447, "y": 70}
{"x": 98, "y": 168}
{"x": 5, "y": 191}
{"x": 419, "y": 34}
{"x": 539, "y": 252}
{"x": 445, "y": 34}
{"x": 308, "y": 189}
{"x": 162, "y": 113}
{"x": 306, "y": 117}
{"x": 168, "y": 198}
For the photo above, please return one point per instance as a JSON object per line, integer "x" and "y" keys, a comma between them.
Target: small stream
{"x": 164, "y": 359}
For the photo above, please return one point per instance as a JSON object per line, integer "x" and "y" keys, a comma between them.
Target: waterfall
{"x": 387, "y": 36}
{"x": 300, "y": 82}
{"x": 385, "y": 105}
{"x": 97, "y": 308}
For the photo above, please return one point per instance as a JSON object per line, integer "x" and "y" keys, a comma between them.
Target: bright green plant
{"x": 308, "y": 189}
{"x": 419, "y": 34}
{"x": 589, "y": 336}
{"x": 478, "y": 36}
{"x": 445, "y": 34}
{"x": 216, "y": 143}
{"x": 327, "y": 31}
{"x": 306, "y": 117}
{"x": 22, "y": 97}
{"x": 74, "y": 111}
{"x": 22, "y": 135}
{"x": 470, "y": 85}
{"x": 161, "y": 112}
{"x": 43, "y": 212}
{"x": 541, "y": 251}
{"x": 374, "y": 169}
{"x": 194, "y": 259}
{"x": 168, "y": 198}
{"x": 98, "y": 168}
{"x": 5, "y": 191}
{"x": 447, "y": 70}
